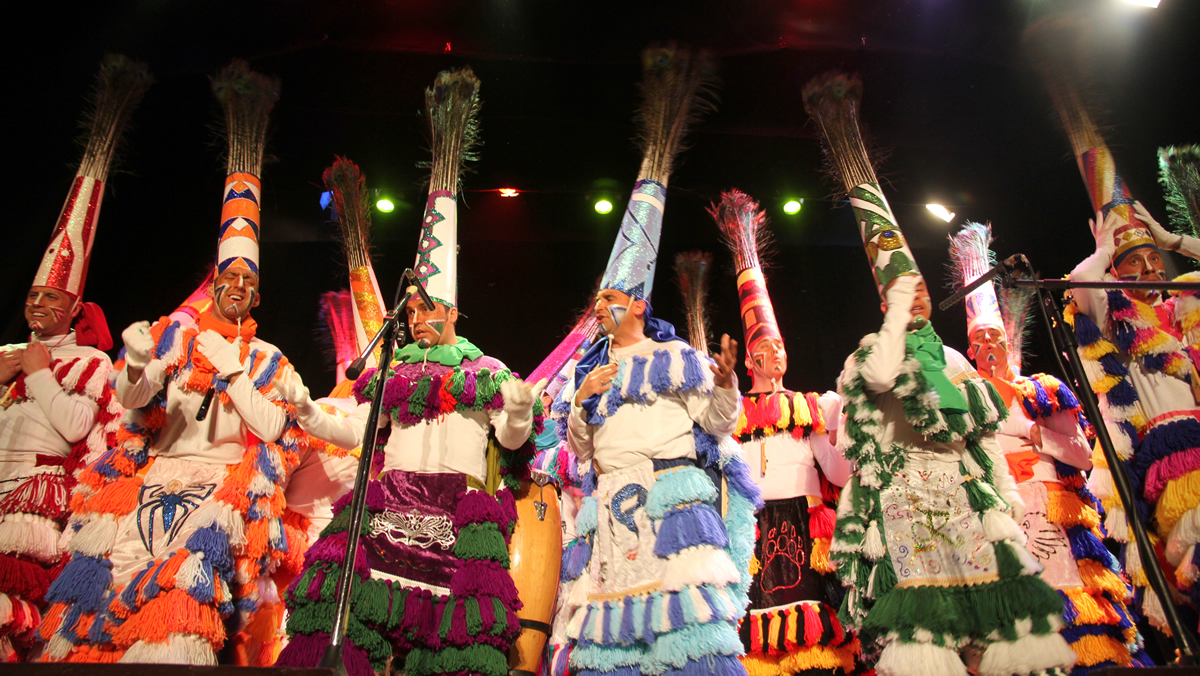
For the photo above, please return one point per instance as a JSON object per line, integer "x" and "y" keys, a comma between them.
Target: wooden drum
{"x": 536, "y": 556}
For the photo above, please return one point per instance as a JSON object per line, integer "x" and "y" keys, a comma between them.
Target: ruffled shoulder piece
{"x": 641, "y": 379}
{"x": 1138, "y": 331}
{"x": 784, "y": 412}
{"x": 426, "y": 391}
{"x": 864, "y": 420}
{"x": 85, "y": 375}
{"x": 175, "y": 345}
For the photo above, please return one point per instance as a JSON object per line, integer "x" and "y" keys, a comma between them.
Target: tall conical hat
{"x": 970, "y": 258}
{"x": 120, "y": 85}
{"x": 1056, "y": 42}
{"x": 674, "y": 83}
{"x": 246, "y": 99}
{"x": 743, "y": 225}
{"x": 832, "y": 101}
{"x": 451, "y": 113}
{"x": 348, "y": 186}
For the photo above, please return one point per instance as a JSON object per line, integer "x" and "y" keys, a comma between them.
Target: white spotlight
{"x": 1144, "y": 3}
{"x": 941, "y": 212}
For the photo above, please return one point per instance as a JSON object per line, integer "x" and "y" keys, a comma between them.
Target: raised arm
{"x": 882, "y": 365}
{"x": 1094, "y": 302}
{"x": 142, "y": 377}
{"x": 514, "y": 423}
{"x": 341, "y": 431}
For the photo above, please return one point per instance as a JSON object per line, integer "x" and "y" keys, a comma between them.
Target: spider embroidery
{"x": 168, "y": 499}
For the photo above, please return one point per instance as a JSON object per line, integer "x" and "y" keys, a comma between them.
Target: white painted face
{"x": 235, "y": 293}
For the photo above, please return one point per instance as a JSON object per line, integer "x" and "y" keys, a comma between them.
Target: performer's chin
{"x": 424, "y": 343}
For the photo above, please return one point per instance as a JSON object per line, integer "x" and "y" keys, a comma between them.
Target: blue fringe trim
{"x": 679, "y": 486}
{"x": 84, "y": 582}
{"x": 688, "y": 526}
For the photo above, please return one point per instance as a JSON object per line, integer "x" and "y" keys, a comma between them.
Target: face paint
{"x": 617, "y": 312}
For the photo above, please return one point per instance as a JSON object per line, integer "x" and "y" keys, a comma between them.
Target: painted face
{"x": 425, "y": 323}
{"x": 922, "y": 308}
{"x": 49, "y": 311}
{"x": 235, "y": 293}
{"x": 611, "y": 308}
{"x": 989, "y": 349}
{"x": 768, "y": 360}
{"x": 1142, "y": 265}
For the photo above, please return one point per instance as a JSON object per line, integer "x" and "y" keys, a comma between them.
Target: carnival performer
{"x": 1142, "y": 345}
{"x": 56, "y": 411}
{"x": 180, "y": 527}
{"x": 785, "y": 442}
{"x": 925, "y": 539}
{"x": 1046, "y": 450}
{"x": 433, "y": 590}
{"x": 660, "y": 573}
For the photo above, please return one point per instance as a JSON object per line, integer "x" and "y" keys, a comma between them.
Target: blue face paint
{"x": 617, "y": 312}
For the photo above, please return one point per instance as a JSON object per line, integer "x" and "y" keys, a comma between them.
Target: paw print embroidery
{"x": 783, "y": 549}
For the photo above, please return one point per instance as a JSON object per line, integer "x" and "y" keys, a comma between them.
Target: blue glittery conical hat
{"x": 635, "y": 253}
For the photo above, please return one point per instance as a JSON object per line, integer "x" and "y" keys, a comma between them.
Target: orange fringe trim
{"x": 118, "y": 498}
{"x": 93, "y": 654}
{"x": 258, "y": 645}
{"x": 1096, "y": 649}
{"x": 817, "y": 657}
{"x": 1092, "y": 607}
{"x": 1097, "y": 577}
{"x": 173, "y": 612}
{"x": 820, "y": 556}
{"x": 1065, "y": 508}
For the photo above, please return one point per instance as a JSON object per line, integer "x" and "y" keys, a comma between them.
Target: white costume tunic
{"x": 184, "y": 522}
{"x": 52, "y": 421}
{"x": 650, "y": 534}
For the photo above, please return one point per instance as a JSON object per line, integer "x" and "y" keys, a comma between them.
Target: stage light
{"x": 509, "y": 192}
{"x": 603, "y": 206}
{"x": 1144, "y": 3}
{"x": 385, "y": 205}
{"x": 941, "y": 212}
{"x": 792, "y": 207}
{"x": 326, "y": 199}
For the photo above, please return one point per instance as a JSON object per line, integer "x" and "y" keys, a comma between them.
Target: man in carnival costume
{"x": 1046, "y": 451}
{"x": 180, "y": 528}
{"x": 925, "y": 537}
{"x": 1143, "y": 346}
{"x": 433, "y": 591}
{"x": 56, "y": 411}
{"x": 785, "y": 441}
{"x": 659, "y": 575}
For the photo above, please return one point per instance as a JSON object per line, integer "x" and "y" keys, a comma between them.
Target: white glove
{"x": 291, "y": 387}
{"x": 139, "y": 345}
{"x": 519, "y": 396}
{"x": 1167, "y": 240}
{"x": 1103, "y": 230}
{"x": 225, "y": 356}
{"x": 900, "y": 295}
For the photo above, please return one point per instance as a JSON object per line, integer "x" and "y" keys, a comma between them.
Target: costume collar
{"x": 207, "y": 322}
{"x": 446, "y": 355}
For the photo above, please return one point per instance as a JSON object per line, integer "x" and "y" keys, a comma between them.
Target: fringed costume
{"x": 659, "y": 567}
{"x": 1047, "y": 452}
{"x": 925, "y": 537}
{"x": 180, "y": 530}
{"x": 792, "y": 626}
{"x": 55, "y": 420}
{"x": 432, "y": 593}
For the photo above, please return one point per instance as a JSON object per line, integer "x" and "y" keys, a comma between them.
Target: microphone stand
{"x": 393, "y": 332}
{"x": 1063, "y": 341}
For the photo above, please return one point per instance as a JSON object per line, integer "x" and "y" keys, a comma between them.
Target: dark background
{"x": 947, "y": 92}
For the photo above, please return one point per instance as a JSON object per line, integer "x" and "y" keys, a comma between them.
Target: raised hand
{"x": 139, "y": 345}
{"x": 1103, "y": 229}
{"x": 291, "y": 387}
{"x": 725, "y": 360}
{"x": 519, "y": 397}
{"x": 1167, "y": 240}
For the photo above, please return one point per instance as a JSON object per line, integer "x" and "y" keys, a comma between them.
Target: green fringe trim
{"x": 500, "y": 613}
{"x": 481, "y": 541}
{"x": 477, "y": 659}
{"x": 318, "y": 617}
{"x": 962, "y": 613}
{"x": 458, "y": 382}
{"x": 485, "y": 388}
{"x": 416, "y": 400}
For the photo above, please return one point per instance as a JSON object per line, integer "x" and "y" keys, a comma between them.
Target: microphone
{"x": 413, "y": 281}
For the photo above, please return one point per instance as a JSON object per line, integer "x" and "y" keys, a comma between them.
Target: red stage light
{"x": 509, "y": 192}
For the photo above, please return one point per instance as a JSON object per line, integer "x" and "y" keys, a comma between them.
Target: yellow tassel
{"x": 776, "y": 625}
{"x": 741, "y": 423}
{"x": 755, "y": 565}
{"x": 1096, "y": 649}
{"x": 785, "y": 413}
{"x": 820, "y": 556}
{"x": 1180, "y": 495}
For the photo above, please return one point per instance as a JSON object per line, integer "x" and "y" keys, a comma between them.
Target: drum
{"x": 535, "y": 551}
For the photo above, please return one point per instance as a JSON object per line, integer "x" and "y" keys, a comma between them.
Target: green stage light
{"x": 603, "y": 206}
{"x": 385, "y": 205}
{"x": 792, "y": 206}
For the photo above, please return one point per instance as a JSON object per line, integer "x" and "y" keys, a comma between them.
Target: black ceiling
{"x": 947, "y": 94}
